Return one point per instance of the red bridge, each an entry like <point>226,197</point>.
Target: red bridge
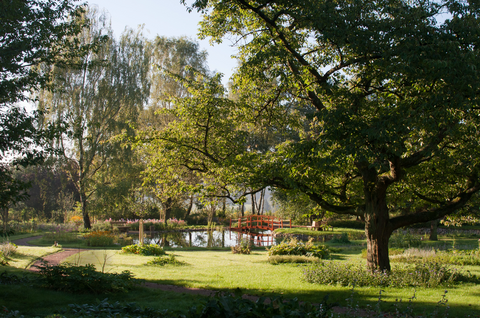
<point>261,222</point>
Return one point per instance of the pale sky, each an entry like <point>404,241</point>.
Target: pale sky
<point>167,18</point>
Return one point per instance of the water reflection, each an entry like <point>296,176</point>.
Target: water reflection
<point>208,238</point>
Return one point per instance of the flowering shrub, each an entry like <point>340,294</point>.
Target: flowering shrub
<point>299,248</point>
<point>157,224</point>
<point>99,238</point>
<point>146,249</point>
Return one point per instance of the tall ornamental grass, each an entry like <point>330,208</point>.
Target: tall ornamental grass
<point>423,274</point>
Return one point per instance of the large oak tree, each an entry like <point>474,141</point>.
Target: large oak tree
<point>376,103</point>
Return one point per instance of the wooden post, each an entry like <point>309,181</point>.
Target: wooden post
<point>281,223</point>
<point>230,224</point>
<point>290,223</point>
<point>240,223</point>
<point>140,232</point>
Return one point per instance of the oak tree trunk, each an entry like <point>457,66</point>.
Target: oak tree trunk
<point>377,224</point>
<point>433,230</point>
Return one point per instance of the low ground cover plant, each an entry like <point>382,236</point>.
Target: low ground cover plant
<point>422,274</point>
<point>169,259</point>
<point>299,248</point>
<point>84,279</point>
<point>145,249</point>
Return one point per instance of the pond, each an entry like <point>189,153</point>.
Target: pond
<point>225,238</point>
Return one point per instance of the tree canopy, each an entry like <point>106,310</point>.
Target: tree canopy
<point>374,105</point>
<point>31,33</point>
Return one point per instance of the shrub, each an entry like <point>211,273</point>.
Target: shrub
<point>166,260</point>
<point>404,239</point>
<point>229,306</point>
<point>99,238</point>
<point>7,249</point>
<point>295,247</point>
<point>84,279</point>
<point>245,247</point>
<point>102,227</point>
<point>146,249</point>
<point>426,274</point>
<point>343,238</point>
<point>350,224</point>
<point>105,309</point>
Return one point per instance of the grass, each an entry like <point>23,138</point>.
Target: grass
<point>26,255</point>
<point>223,271</point>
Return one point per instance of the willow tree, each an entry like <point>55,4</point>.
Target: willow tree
<point>377,101</point>
<point>96,101</point>
<point>182,57</point>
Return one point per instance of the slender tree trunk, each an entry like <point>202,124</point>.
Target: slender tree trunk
<point>433,230</point>
<point>190,207</point>
<point>243,210</point>
<point>5,220</point>
<point>168,209</point>
<point>86,217</point>
<point>252,197</point>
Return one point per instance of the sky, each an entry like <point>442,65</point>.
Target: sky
<point>167,18</point>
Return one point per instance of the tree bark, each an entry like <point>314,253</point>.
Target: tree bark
<point>378,227</point>
<point>168,209</point>
<point>190,206</point>
<point>86,217</point>
<point>433,230</point>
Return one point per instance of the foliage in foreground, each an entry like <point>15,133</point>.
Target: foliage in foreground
<point>84,279</point>
<point>230,306</point>
<point>299,248</point>
<point>424,274</point>
<point>145,249</point>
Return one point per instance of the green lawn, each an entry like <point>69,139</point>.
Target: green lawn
<point>223,271</point>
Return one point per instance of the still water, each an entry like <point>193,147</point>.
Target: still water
<point>208,238</point>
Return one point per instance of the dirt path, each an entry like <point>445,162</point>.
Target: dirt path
<point>61,255</point>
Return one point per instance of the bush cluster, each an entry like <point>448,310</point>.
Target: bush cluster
<point>84,279</point>
<point>99,238</point>
<point>244,247</point>
<point>145,249</point>
<point>299,248</point>
<point>425,274</point>
<point>404,239</point>
<point>8,249</point>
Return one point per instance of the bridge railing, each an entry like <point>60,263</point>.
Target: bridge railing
<point>263,222</point>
